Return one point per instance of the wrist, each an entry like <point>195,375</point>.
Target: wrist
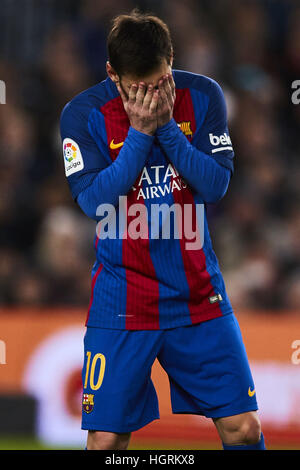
<point>140,134</point>
<point>149,132</point>
<point>171,124</point>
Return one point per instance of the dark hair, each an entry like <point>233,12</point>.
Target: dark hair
<point>137,44</point>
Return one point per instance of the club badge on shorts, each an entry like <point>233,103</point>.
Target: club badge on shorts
<point>88,402</point>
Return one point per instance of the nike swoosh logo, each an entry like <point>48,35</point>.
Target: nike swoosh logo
<point>114,146</point>
<point>251,392</point>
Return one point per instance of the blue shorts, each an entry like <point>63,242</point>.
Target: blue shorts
<point>206,364</point>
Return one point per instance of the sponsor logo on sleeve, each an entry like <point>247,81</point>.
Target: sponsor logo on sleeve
<point>72,157</point>
<point>220,143</point>
<point>215,298</point>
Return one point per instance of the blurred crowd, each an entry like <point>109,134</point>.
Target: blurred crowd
<point>50,50</point>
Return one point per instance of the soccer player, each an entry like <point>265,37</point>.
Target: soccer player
<point>147,138</point>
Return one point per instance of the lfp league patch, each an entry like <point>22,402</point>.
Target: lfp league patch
<point>72,157</point>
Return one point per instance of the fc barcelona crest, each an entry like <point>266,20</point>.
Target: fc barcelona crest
<point>88,402</point>
<point>185,127</point>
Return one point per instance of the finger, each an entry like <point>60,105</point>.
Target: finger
<point>168,90</point>
<point>122,94</point>
<point>140,93</point>
<point>132,93</point>
<point>148,96</point>
<point>160,102</point>
<point>172,84</point>
<point>160,106</point>
<point>162,90</point>
<point>154,101</point>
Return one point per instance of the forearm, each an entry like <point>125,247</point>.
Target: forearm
<point>206,176</point>
<point>117,179</point>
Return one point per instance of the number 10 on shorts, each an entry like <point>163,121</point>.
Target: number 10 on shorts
<point>91,365</point>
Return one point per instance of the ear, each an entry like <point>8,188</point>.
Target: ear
<point>112,73</point>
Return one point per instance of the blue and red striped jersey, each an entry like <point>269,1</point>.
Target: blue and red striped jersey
<point>147,280</point>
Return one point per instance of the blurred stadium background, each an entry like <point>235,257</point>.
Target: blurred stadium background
<point>51,50</point>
